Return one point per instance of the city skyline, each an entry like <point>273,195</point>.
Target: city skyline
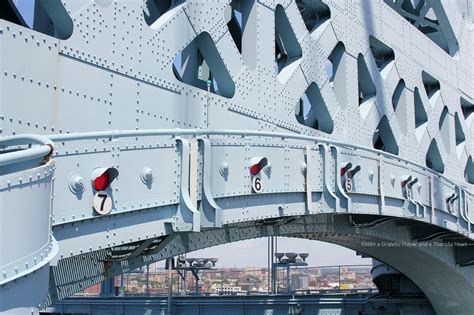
<point>253,253</point>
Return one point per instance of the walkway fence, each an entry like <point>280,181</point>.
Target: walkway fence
<point>242,281</point>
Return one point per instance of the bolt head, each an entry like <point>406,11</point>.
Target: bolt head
<point>76,183</point>
<point>224,169</point>
<point>146,175</point>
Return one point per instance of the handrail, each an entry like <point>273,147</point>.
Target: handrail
<point>243,134</point>
<point>42,151</point>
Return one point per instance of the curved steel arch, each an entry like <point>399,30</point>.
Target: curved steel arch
<point>430,265</point>
<point>131,89</point>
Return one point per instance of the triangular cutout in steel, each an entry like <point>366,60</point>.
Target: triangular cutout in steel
<point>383,54</point>
<point>154,9</point>
<point>45,16</point>
<point>432,87</point>
<point>366,85</point>
<point>199,64</point>
<point>433,158</point>
<point>469,171</point>
<point>467,110</point>
<point>459,133</point>
<point>314,13</point>
<point>312,111</point>
<point>383,138</point>
<point>287,48</point>
<point>444,125</point>
<point>421,118</point>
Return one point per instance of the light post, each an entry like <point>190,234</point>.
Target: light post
<point>195,265</point>
<point>288,260</point>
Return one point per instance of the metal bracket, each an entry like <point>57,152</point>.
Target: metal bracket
<point>339,187</point>
<point>327,191</point>
<point>206,181</point>
<point>186,202</point>
<point>309,181</point>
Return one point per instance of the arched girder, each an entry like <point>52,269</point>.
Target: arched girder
<point>429,265</point>
<point>127,86</point>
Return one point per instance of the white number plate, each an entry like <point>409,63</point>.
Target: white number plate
<point>257,184</point>
<point>102,202</point>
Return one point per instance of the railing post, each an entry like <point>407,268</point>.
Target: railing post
<point>339,278</point>
<point>170,289</point>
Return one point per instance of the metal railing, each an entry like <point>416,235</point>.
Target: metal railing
<point>111,134</point>
<point>22,148</point>
<point>244,281</point>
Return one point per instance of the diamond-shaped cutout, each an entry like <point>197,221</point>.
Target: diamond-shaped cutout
<point>469,171</point>
<point>287,47</point>
<point>366,84</point>
<point>314,13</point>
<point>383,138</point>
<point>312,111</point>
<point>200,65</point>
<point>432,87</point>
<point>383,54</point>
<point>433,158</point>
<point>444,127</point>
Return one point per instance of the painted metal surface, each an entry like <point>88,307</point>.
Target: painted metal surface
<point>180,97</point>
<point>335,304</point>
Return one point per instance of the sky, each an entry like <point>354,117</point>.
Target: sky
<point>26,9</point>
<point>254,252</point>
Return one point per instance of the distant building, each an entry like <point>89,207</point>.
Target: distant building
<point>299,281</point>
<point>227,289</point>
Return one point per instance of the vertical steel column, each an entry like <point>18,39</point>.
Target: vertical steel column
<point>272,258</point>
<point>339,278</point>
<point>170,289</point>
<point>185,282</point>
<point>222,281</point>
<point>269,254</point>
<point>122,293</point>
<point>288,278</point>
<point>147,280</point>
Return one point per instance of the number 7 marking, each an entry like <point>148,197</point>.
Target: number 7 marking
<point>104,197</point>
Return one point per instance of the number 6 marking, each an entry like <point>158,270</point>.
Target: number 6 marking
<point>256,184</point>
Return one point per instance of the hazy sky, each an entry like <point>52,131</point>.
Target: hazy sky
<point>254,253</point>
<point>26,9</point>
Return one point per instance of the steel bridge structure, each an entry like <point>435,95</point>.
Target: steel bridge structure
<point>134,131</point>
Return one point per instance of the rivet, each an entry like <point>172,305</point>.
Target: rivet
<point>303,168</point>
<point>224,169</point>
<point>76,183</point>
